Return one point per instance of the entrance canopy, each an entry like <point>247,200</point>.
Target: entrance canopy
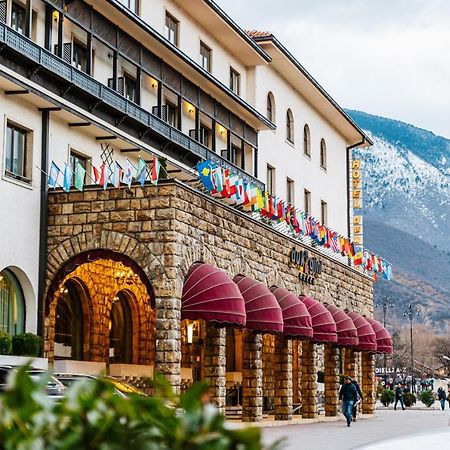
<point>347,335</point>
<point>263,311</point>
<point>324,327</point>
<point>366,336</point>
<point>210,294</point>
<point>384,341</point>
<point>296,319</point>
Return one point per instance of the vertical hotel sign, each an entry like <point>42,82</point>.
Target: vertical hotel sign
<point>357,201</point>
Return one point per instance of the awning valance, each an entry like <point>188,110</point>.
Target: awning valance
<point>347,335</point>
<point>384,340</point>
<point>210,294</point>
<point>366,336</point>
<point>261,306</point>
<point>324,327</point>
<point>296,319</point>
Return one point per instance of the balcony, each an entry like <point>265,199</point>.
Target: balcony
<point>40,61</point>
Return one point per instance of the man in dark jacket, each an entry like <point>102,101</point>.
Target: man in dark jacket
<point>399,396</point>
<point>348,395</point>
<point>442,396</point>
<point>360,397</point>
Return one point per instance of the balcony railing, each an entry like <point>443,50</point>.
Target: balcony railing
<point>81,80</point>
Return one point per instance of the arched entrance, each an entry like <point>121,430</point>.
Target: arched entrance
<point>121,330</point>
<point>12,304</point>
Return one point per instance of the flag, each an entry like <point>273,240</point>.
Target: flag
<point>128,174</point>
<point>68,175</point>
<point>106,172</point>
<point>358,256</point>
<point>156,168</point>
<point>226,189</point>
<point>308,225</point>
<point>204,172</point>
<point>141,172</point>
<point>334,242</point>
<point>54,175</point>
<point>80,173</point>
<point>217,179</point>
<point>97,174</point>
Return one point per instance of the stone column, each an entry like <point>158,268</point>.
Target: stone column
<point>215,364</point>
<point>283,378</point>
<point>368,383</point>
<point>168,340</point>
<point>252,397</point>
<point>331,374</point>
<point>350,366</point>
<point>309,381</point>
<point>296,372</point>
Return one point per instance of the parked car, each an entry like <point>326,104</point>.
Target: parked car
<point>53,388</point>
<point>121,388</point>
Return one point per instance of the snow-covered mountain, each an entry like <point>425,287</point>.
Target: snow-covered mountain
<point>407,211</point>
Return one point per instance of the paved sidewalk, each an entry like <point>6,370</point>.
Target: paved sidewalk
<point>336,436</point>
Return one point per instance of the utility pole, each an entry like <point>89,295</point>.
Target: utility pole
<point>411,311</point>
<point>385,303</point>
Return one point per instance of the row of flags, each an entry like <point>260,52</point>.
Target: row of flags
<point>114,174</point>
<point>239,192</point>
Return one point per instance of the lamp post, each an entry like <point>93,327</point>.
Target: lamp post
<point>411,311</point>
<point>384,303</point>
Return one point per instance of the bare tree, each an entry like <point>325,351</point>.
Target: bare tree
<point>441,351</point>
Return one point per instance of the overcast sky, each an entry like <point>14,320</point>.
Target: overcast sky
<point>384,57</point>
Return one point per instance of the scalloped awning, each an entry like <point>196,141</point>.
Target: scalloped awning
<point>210,294</point>
<point>263,311</point>
<point>324,327</point>
<point>347,334</point>
<point>366,335</point>
<point>384,340</point>
<point>296,319</point>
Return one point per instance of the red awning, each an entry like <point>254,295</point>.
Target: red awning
<point>324,327</point>
<point>347,335</point>
<point>366,335</point>
<point>263,311</point>
<point>296,319</point>
<point>210,294</point>
<point>384,341</point>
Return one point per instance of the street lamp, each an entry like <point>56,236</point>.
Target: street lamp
<point>384,303</point>
<point>411,311</point>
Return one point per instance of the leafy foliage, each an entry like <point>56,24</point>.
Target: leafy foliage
<point>26,344</point>
<point>409,399</point>
<point>387,397</point>
<point>92,417</point>
<point>427,398</point>
<point>5,343</point>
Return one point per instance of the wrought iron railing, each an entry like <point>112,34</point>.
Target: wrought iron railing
<point>64,70</point>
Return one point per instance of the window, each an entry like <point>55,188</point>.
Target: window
<point>205,56</point>
<point>17,163</point>
<point>18,18</point>
<point>79,56</point>
<point>235,81</point>
<point>171,29</point>
<point>132,5</point>
<point>323,154</point>
<point>290,191</point>
<point>129,87</point>
<point>121,331</point>
<point>307,205</point>
<point>324,212</point>
<point>270,107</point>
<point>306,140</point>
<point>290,126</point>
<point>270,184</point>
<point>12,304</point>
<point>204,135</point>
<point>172,114</point>
<point>75,158</point>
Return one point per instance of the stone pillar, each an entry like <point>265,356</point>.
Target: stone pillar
<point>252,397</point>
<point>283,378</point>
<point>350,367</point>
<point>215,364</point>
<point>296,372</point>
<point>309,381</point>
<point>331,375</point>
<point>368,383</point>
<point>168,340</point>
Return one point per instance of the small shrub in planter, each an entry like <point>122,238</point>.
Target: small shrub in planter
<point>409,399</point>
<point>5,343</point>
<point>26,344</point>
<point>387,397</point>
<point>427,398</point>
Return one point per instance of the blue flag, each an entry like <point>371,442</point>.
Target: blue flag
<point>68,175</point>
<point>53,176</point>
<point>204,172</point>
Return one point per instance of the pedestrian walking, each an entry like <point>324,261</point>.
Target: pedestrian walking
<point>399,397</point>
<point>360,399</point>
<point>348,396</point>
<point>448,398</point>
<point>442,396</point>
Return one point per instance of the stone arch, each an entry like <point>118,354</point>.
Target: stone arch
<point>192,254</point>
<point>239,266</point>
<point>274,278</point>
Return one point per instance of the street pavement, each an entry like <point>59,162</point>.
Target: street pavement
<point>336,436</point>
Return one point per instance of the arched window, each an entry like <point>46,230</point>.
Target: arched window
<point>12,304</point>
<point>69,324</point>
<point>290,126</point>
<point>306,140</point>
<point>271,107</point>
<point>323,154</point>
<point>121,332</point>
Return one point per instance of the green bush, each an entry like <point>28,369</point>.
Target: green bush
<point>427,398</point>
<point>387,397</point>
<point>91,416</point>
<point>26,344</point>
<point>320,376</point>
<point>5,343</point>
<point>409,399</point>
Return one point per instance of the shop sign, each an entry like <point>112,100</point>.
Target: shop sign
<point>308,267</point>
<point>356,176</point>
<point>390,370</point>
